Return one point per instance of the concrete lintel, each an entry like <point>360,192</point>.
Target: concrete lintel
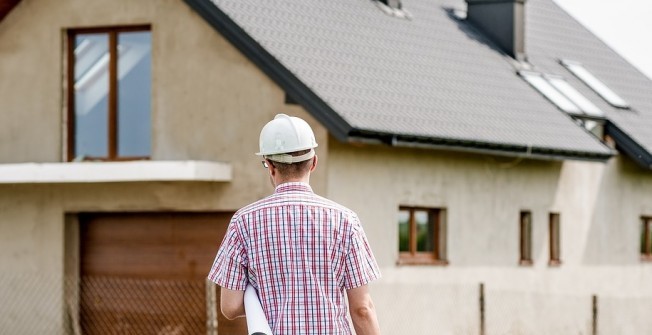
<point>115,172</point>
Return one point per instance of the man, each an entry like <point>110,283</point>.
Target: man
<point>302,252</point>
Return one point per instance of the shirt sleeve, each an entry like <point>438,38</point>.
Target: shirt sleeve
<point>360,265</point>
<point>229,269</point>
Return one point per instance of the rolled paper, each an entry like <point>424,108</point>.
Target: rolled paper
<point>256,320</point>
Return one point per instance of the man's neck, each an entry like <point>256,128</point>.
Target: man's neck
<point>279,181</point>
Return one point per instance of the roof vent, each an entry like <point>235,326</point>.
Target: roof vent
<point>503,21</point>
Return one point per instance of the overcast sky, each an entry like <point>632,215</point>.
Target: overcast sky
<point>625,25</point>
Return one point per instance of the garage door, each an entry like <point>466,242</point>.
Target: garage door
<point>144,273</point>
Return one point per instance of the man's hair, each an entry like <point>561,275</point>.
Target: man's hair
<point>294,170</point>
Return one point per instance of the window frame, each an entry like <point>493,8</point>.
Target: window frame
<point>112,97</point>
<point>595,84</point>
<point>525,233</point>
<point>439,255</point>
<point>646,240</point>
<point>568,99</point>
<point>554,237</point>
<point>543,86</point>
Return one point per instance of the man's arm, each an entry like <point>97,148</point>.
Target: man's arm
<point>363,312</point>
<point>232,303</point>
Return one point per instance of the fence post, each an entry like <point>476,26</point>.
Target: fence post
<point>594,313</point>
<point>482,307</point>
<point>211,308</point>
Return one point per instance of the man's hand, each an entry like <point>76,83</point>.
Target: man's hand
<point>363,312</point>
<point>232,303</point>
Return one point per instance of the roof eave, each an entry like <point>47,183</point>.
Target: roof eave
<point>629,146</point>
<point>500,149</point>
<point>257,54</point>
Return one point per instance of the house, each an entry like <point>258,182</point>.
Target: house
<point>497,152</point>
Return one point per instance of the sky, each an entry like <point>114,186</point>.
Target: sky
<point>625,25</point>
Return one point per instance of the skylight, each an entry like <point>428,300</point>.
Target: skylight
<point>568,99</point>
<point>594,83</point>
<point>576,97</point>
<point>550,92</point>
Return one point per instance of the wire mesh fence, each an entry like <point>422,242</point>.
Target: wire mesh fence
<point>141,306</point>
<point>623,316</point>
<point>514,313</point>
<point>427,309</point>
<point>31,304</point>
<point>105,305</point>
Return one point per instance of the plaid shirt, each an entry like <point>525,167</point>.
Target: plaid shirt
<point>300,251</point>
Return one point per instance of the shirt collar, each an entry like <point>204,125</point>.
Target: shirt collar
<point>293,186</point>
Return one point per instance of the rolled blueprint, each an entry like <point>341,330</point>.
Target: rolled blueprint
<point>256,321</point>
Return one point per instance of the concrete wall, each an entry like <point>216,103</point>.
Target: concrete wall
<point>208,103</point>
<point>483,196</point>
<point>600,207</point>
<point>35,260</point>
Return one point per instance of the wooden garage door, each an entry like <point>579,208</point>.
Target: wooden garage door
<point>144,273</point>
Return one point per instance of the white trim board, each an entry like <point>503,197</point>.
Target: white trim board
<point>114,172</point>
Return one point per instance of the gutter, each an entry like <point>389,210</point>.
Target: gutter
<point>629,146</point>
<point>500,149</point>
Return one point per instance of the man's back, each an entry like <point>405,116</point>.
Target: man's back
<point>301,251</point>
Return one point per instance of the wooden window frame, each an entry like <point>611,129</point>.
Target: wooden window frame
<point>439,255</point>
<point>646,241</point>
<point>554,232</point>
<point>112,32</point>
<point>525,229</point>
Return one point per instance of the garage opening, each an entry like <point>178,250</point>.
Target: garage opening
<point>145,273</point>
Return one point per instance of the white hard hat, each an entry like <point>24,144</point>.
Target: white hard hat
<point>286,134</point>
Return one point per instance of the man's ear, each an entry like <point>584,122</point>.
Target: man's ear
<point>271,167</point>
<point>314,164</point>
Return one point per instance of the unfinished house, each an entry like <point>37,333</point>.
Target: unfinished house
<point>498,154</point>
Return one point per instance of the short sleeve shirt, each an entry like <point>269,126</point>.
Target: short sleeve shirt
<point>301,252</point>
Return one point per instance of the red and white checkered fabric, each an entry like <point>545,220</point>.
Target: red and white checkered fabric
<point>301,252</point>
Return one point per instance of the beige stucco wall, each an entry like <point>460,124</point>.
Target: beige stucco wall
<point>600,206</point>
<point>208,103</point>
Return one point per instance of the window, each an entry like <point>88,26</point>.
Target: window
<point>555,254</point>
<point>550,92</point>
<point>568,99</point>
<point>576,97</point>
<point>646,239</point>
<point>594,83</point>
<point>109,85</point>
<point>526,237</point>
<point>422,235</point>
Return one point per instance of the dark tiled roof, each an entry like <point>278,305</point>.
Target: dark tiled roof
<point>431,79</point>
